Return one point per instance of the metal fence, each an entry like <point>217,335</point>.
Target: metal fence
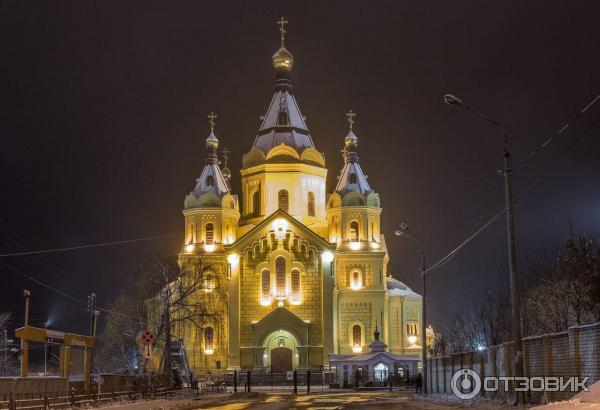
<point>73,399</point>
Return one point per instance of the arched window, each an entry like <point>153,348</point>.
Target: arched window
<point>256,203</point>
<point>352,178</point>
<point>311,204</point>
<point>411,329</point>
<point>210,181</point>
<point>356,335</point>
<point>354,231</point>
<point>265,283</point>
<point>209,337</point>
<point>356,280</point>
<point>191,233</point>
<point>208,282</point>
<point>209,234</point>
<point>280,276</point>
<point>296,284</point>
<point>283,200</point>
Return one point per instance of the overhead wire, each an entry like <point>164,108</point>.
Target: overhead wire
<point>442,261</point>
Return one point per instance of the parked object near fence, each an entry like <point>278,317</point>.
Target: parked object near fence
<point>574,353</point>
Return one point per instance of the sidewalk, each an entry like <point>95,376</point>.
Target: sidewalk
<point>166,404</point>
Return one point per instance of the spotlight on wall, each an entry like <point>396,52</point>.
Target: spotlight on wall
<point>412,339</point>
<point>355,246</point>
<point>190,248</point>
<point>209,248</point>
<point>357,349</point>
<point>233,258</point>
<point>327,257</point>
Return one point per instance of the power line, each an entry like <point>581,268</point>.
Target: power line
<point>96,245</point>
<point>494,218</point>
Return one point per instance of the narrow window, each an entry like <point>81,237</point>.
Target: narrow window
<point>256,203</point>
<point>191,233</point>
<point>210,180</point>
<point>356,280</point>
<point>283,200</point>
<point>282,118</point>
<point>354,231</point>
<point>209,337</point>
<point>296,284</point>
<point>209,233</point>
<point>352,178</point>
<point>356,335</point>
<point>209,282</point>
<point>280,276</point>
<point>311,204</point>
<point>265,283</point>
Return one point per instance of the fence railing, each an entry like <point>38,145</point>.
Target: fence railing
<point>72,399</point>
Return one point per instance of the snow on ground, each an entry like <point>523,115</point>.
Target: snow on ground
<point>582,400</point>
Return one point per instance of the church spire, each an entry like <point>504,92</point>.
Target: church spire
<point>283,61</point>
<point>352,178</point>
<point>211,179</point>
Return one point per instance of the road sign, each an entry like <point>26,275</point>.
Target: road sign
<point>147,337</point>
<point>147,351</point>
<point>290,375</point>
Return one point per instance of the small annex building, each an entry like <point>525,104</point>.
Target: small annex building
<point>374,368</point>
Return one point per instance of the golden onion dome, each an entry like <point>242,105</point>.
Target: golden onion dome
<point>283,59</point>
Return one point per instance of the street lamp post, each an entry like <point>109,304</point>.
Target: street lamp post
<point>405,231</point>
<point>45,351</point>
<point>510,228</point>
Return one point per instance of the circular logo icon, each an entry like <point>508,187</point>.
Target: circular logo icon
<point>465,384</point>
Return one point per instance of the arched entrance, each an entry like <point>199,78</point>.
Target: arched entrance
<point>281,351</point>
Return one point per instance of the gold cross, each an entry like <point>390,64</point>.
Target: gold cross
<point>225,152</point>
<point>282,22</point>
<point>211,120</point>
<point>350,116</point>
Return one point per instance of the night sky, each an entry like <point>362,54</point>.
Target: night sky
<point>103,110</point>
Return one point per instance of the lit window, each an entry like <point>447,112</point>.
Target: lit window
<point>296,285</point>
<point>356,280</point>
<point>311,204</point>
<point>356,335</point>
<point>265,283</point>
<point>280,277</point>
<point>209,233</point>
<point>209,337</point>
<point>283,200</point>
<point>208,282</point>
<point>354,231</point>
<point>210,180</point>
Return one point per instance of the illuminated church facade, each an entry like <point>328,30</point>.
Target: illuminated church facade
<point>304,272</point>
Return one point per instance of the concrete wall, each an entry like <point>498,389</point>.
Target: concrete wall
<point>575,352</point>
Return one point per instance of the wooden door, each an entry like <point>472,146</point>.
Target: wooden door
<point>281,359</point>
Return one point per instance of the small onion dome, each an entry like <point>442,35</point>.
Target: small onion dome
<point>351,139</point>
<point>226,173</point>
<point>212,141</point>
<point>283,59</point>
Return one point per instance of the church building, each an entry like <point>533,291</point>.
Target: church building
<point>304,272</point>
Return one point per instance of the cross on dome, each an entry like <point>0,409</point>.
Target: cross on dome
<point>211,120</point>
<point>350,114</point>
<point>225,153</point>
<point>282,22</point>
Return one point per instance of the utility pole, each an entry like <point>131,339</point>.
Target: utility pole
<point>24,342</point>
<point>91,307</point>
<point>512,248</point>
<point>405,231</point>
